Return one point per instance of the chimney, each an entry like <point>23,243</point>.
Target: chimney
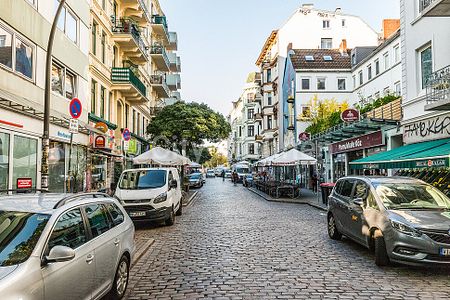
<point>338,11</point>
<point>343,47</point>
<point>390,26</point>
<point>308,6</point>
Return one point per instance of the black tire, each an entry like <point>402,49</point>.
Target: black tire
<point>180,209</point>
<point>171,219</point>
<point>333,232</point>
<point>381,256</point>
<point>120,283</point>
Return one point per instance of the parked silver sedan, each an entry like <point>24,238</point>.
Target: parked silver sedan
<point>64,247</point>
<point>402,219</point>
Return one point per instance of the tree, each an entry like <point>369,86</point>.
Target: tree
<point>199,155</point>
<point>325,114</point>
<point>217,158</point>
<point>187,125</point>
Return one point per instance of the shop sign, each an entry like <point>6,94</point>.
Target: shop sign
<point>370,140</point>
<point>427,130</point>
<point>350,115</point>
<point>63,135</point>
<point>24,183</point>
<point>304,136</point>
<point>102,127</point>
<point>431,163</point>
<point>73,126</point>
<point>371,166</point>
<point>100,142</point>
<point>132,146</point>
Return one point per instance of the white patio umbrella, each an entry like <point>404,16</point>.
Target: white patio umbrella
<point>293,157</point>
<point>161,156</point>
<point>268,160</point>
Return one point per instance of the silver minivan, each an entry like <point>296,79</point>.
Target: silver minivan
<point>64,247</point>
<point>402,219</point>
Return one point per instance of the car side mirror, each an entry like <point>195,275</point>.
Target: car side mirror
<point>173,184</point>
<point>358,201</point>
<point>60,254</point>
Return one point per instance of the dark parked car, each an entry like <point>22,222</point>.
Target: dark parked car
<point>402,219</point>
<point>247,180</point>
<point>196,180</point>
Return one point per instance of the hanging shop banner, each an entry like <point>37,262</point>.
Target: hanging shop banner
<point>102,127</point>
<point>132,146</point>
<point>370,140</point>
<point>100,142</point>
<point>350,115</point>
<point>427,130</point>
<point>304,136</point>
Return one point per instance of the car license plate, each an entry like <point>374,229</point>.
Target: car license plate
<point>137,214</point>
<point>444,252</point>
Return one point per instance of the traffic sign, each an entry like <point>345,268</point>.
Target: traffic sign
<point>73,126</point>
<point>75,108</point>
<point>126,134</point>
<point>126,145</point>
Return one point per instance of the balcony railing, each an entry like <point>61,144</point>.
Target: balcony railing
<point>158,49</point>
<point>128,26</point>
<point>438,85</point>
<point>390,111</point>
<point>159,20</point>
<point>159,82</point>
<point>423,4</point>
<point>126,75</point>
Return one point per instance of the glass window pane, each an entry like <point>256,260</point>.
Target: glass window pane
<point>71,27</point>
<point>116,214</point>
<point>56,167</point>
<point>4,160</point>
<point>5,48</point>
<point>62,16</point>
<point>98,220</point>
<point>70,84</point>
<point>69,231</point>
<point>24,59</point>
<point>426,63</point>
<point>24,159</point>
<point>57,79</point>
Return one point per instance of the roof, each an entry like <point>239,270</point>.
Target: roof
<point>338,61</point>
<point>384,179</point>
<point>269,42</point>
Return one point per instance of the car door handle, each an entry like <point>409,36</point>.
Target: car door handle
<point>90,258</point>
<point>116,242</point>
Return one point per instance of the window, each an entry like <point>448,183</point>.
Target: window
<point>371,202</point>
<point>94,38</point>
<point>354,81</point>
<point>127,114</point>
<point>63,81</point>
<point>104,4</point>
<point>6,47</point>
<point>57,79</point>
<point>138,125</point>
<point>341,84</point>
<point>269,75</point>
<point>369,72</point>
<point>377,67</point>
<point>67,22</point>
<point>93,96</point>
<point>306,112</point>
<point>250,114</point>
<point>269,122</point>
<point>326,24</point>
<point>24,163</point>
<point>361,190</point>
<point>305,83</point>
<point>327,58</point>
<point>361,79</point>
<point>251,148</point>
<point>134,122</point>
<point>320,83</point>
<point>396,53</point>
<point>24,59</point>
<point>240,131</point>
<point>4,160</point>
<point>347,187</point>
<point>62,17</point>
<point>386,61</point>
<point>102,101</point>
<point>309,58</point>
<point>251,130</point>
<point>398,90</point>
<point>326,43</point>
<point>377,95</point>
<point>426,65</point>
<point>103,45</point>
<point>343,23</point>
<point>269,99</point>
<point>98,220</point>
<point>386,91</point>
<point>69,231</point>
<point>70,85</point>
<point>114,62</point>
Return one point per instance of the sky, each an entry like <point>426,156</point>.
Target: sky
<point>219,40</point>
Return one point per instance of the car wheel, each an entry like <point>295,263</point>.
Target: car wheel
<point>333,232</point>
<point>171,220</point>
<point>180,209</point>
<point>381,256</point>
<point>120,280</point>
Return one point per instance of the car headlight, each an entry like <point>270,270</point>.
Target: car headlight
<point>160,198</point>
<point>405,229</point>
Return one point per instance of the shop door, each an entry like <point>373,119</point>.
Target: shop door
<point>4,160</point>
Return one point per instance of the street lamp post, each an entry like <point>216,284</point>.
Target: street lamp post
<point>48,70</point>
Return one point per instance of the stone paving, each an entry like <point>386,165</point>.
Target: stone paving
<point>232,244</point>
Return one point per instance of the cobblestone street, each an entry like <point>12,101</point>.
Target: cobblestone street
<point>232,244</point>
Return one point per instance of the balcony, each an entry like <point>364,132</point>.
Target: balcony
<point>434,8</point>
<point>159,27</point>
<point>173,41</point>
<point>258,117</point>
<point>174,62</point>
<point>176,95</point>
<point>438,90</point>
<point>129,84</point>
<point>259,138</point>
<point>136,9</point>
<point>127,35</point>
<point>159,85</point>
<point>173,81</point>
<point>389,112</point>
<point>160,58</point>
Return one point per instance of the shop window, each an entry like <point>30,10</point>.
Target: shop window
<point>4,160</point>
<point>24,159</point>
<point>56,167</point>
<point>98,173</point>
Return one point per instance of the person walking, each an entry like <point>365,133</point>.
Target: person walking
<point>234,177</point>
<point>223,175</point>
<point>314,183</point>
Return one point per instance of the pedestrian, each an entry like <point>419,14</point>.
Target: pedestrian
<point>234,177</point>
<point>223,175</point>
<point>314,183</point>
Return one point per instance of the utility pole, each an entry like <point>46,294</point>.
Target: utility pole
<point>48,72</point>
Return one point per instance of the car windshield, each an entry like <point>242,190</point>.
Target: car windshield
<point>411,196</point>
<point>143,179</point>
<point>242,170</point>
<point>19,234</point>
<point>194,176</point>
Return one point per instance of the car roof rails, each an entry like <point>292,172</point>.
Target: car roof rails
<point>74,197</point>
<point>24,191</point>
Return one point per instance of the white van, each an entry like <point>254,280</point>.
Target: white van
<point>152,194</point>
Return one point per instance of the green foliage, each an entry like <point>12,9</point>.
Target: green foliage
<point>190,123</point>
<point>377,103</point>
<point>199,155</point>
<point>217,158</point>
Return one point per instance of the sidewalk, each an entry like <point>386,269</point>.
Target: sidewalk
<point>189,197</point>
<point>306,197</point>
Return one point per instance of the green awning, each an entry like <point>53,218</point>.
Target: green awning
<point>420,155</point>
<point>97,119</point>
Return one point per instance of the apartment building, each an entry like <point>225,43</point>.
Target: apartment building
<point>24,30</point>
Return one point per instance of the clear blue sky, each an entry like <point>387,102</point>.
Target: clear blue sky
<point>219,40</point>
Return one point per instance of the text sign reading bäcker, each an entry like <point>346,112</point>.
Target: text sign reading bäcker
<point>370,140</point>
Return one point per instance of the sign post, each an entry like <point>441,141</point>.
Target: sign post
<point>75,110</point>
